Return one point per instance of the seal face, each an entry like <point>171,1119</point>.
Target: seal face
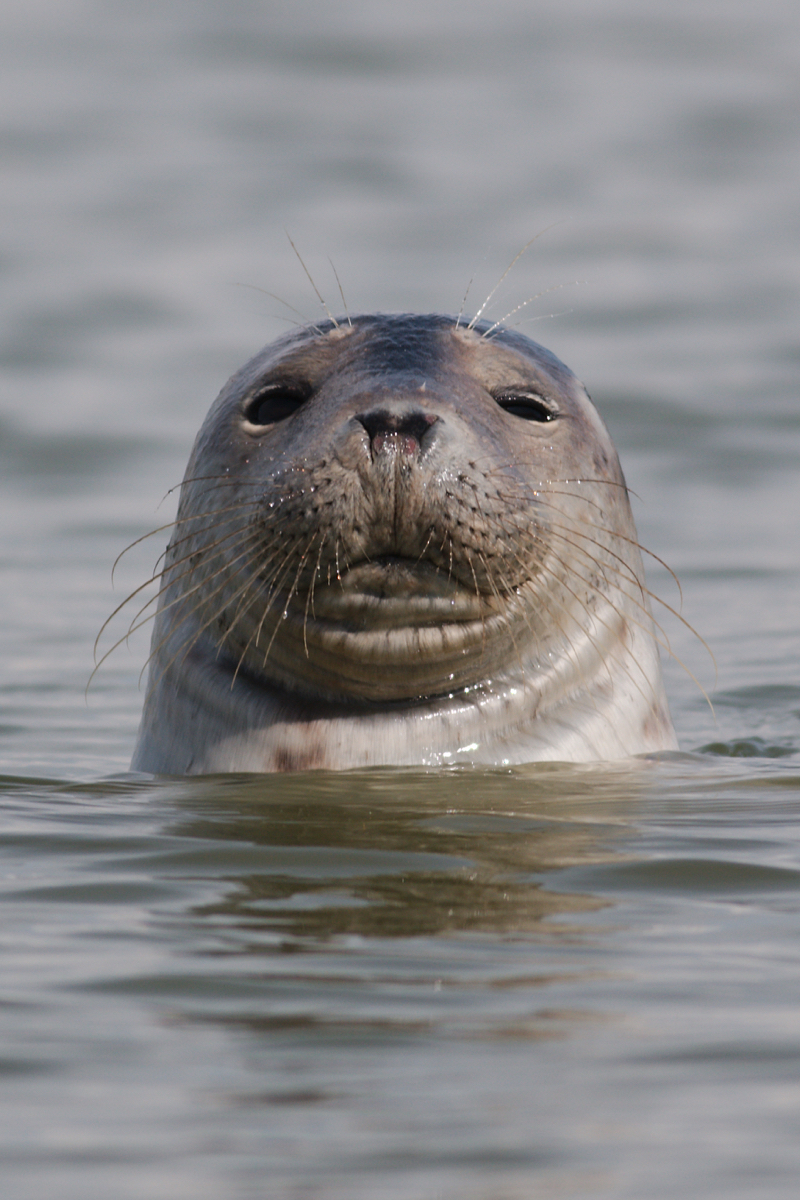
<point>401,540</point>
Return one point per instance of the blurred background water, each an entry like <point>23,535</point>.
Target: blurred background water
<point>554,981</point>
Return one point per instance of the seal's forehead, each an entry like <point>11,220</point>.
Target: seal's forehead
<point>388,341</point>
<point>412,343</point>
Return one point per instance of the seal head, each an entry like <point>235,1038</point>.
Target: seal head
<point>401,540</point>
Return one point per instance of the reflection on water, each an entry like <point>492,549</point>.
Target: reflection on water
<point>353,902</point>
<point>397,854</point>
<point>451,983</point>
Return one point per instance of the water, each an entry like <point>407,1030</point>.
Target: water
<point>490,985</point>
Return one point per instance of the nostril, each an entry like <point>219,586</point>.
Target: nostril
<point>404,431</point>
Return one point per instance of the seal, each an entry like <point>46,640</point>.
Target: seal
<point>401,540</point>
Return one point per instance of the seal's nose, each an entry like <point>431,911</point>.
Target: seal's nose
<point>400,433</point>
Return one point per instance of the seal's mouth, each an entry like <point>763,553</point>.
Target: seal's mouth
<point>390,631</point>
<point>388,592</point>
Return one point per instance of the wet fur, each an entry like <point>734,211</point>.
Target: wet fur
<point>530,528</point>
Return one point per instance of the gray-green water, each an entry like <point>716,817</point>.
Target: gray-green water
<point>488,985</point>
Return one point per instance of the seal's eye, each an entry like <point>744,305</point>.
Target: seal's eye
<point>276,402</point>
<point>528,405</point>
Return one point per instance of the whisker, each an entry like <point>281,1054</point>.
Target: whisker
<point>498,596</point>
<point>557,287</point>
<point>341,292</point>
<point>331,317</point>
<point>514,260</point>
<point>463,304</point>
<point>187,645</point>
<point>310,595</point>
<point>531,320</point>
<point>302,323</point>
<point>255,637</point>
<point>181,599</point>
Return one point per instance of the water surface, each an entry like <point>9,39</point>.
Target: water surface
<point>555,981</point>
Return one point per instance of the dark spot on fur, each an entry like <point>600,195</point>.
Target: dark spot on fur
<point>601,462</point>
<point>288,759</point>
<point>656,723</point>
